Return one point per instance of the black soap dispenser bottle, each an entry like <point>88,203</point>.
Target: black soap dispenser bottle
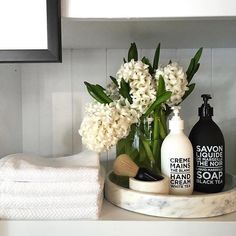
<point>209,151</point>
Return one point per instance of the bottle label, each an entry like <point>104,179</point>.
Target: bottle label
<point>180,173</point>
<point>209,164</point>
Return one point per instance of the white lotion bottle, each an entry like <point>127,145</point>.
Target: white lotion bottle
<point>177,157</point>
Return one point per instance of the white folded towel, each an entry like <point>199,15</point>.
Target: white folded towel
<point>50,189</point>
<point>46,197</point>
<point>49,202</point>
<point>29,168</point>
<point>61,208</point>
<point>51,214</point>
<point>33,187</point>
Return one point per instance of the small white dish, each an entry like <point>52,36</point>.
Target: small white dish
<point>161,186</point>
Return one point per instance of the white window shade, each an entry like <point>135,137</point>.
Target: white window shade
<point>23,24</point>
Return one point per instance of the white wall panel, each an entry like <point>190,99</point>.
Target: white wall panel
<point>224,87</point>
<point>47,108</point>
<point>115,60</point>
<point>87,65</point>
<point>61,100</point>
<point>30,108</point>
<point>10,109</point>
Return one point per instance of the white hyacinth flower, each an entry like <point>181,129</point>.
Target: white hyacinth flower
<point>175,81</point>
<point>142,86</point>
<point>105,124</point>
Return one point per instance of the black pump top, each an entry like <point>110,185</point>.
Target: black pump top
<point>205,110</point>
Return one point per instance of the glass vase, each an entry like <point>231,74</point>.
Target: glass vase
<point>144,141</point>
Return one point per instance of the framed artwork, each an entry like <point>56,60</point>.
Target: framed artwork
<point>30,31</point>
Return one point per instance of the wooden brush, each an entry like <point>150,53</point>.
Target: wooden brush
<point>125,166</point>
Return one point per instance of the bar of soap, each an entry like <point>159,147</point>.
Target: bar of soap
<point>160,187</point>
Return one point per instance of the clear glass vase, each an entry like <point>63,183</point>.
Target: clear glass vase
<point>143,143</point>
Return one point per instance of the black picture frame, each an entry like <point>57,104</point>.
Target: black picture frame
<point>54,51</point>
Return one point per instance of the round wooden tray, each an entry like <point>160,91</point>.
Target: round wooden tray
<point>197,205</point>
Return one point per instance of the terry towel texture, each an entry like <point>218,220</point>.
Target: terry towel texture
<point>45,189</point>
<point>29,168</point>
<point>33,187</point>
<point>51,214</point>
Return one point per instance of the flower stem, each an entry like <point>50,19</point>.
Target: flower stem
<point>155,133</point>
<point>158,155</point>
<point>147,148</point>
<point>163,120</point>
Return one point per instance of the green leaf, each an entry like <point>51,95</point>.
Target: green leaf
<point>100,87</point>
<point>114,80</point>
<point>162,130</point>
<point>164,97</point>
<point>198,55</point>
<point>120,147</point>
<point>97,92</point>
<point>124,90</point>
<point>102,95</point>
<point>94,95</point>
<point>133,52</point>
<point>187,93</point>
<point>156,57</point>
<point>156,126</point>
<point>196,68</point>
<point>142,153</point>
<point>156,134</point>
<point>161,86</point>
<point>124,60</point>
<point>155,147</point>
<point>129,149</point>
<point>163,118</point>
<point>194,65</point>
<point>190,67</point>
<point>147,62</point>
<point>189,78</point>
<point>170,62</point>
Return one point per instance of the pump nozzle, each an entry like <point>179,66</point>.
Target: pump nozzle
<point>205,110</point>
<point>176,110</point>
<point>206,97</point>
<point>176,123</point>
